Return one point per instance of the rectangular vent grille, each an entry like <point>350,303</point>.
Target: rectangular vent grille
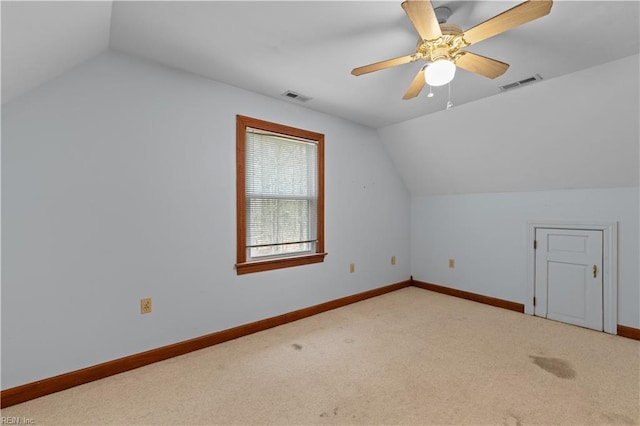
<point>520,83</point>
<point>296,96</point>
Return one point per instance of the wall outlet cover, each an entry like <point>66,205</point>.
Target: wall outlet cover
<point>145,305</point>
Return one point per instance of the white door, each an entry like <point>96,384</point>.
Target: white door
<point>568,276</point>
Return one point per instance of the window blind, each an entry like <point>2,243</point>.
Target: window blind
<point>281,194</point>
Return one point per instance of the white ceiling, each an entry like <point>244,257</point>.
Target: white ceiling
<point>308,47</point>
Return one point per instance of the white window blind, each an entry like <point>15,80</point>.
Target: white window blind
<point>281,195</point>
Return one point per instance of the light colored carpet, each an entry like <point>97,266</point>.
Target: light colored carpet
<point>407,357</point>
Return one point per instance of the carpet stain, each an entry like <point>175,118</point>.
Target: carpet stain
<point>512,420</point>
<point>556,366</point>
<point>325,414</point>
<point>297,347</point>
<point>618,419</point>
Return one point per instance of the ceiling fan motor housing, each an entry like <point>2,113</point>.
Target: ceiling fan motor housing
<point>447,46</point>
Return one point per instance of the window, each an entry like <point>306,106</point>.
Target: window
<point>280,196</point>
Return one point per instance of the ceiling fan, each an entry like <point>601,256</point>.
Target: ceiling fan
<point>441,44</point>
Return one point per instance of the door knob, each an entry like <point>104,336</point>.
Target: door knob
<point>595,271</point>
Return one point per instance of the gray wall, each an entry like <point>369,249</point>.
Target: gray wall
<point>119,183</point>
<point>487,235</point>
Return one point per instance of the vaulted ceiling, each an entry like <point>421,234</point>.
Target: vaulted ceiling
<point>307,47</point>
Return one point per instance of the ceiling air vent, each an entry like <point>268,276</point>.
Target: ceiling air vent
<point>296,96</point>
<point>520,83</point>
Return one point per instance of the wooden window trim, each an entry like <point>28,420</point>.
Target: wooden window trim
<point>242,265</point>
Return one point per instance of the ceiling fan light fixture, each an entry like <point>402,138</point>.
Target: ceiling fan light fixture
<point>440,72</point>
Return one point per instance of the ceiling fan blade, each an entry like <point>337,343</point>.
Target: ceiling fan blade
<point>384,64</point>
<point>423,18</point>
<point>416,85</point>
<point>481,65</point>
<point>516,16</point>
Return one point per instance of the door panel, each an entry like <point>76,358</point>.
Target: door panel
<point>567,243</point>
<point>567,290</point>
<point>565,286</point>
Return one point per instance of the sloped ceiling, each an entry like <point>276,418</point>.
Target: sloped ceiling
<point>41,40</point>
<point>308,47</point>
<point>578,131</point>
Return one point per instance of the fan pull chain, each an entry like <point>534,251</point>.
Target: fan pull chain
<point>449,103</point>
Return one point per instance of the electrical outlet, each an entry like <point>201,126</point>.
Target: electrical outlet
<point>352,267</point>
<point>393,260</point>
<point>145,305</point>
<point>452,263</point>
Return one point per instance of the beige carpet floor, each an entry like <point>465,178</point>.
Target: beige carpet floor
<point>407,357</point>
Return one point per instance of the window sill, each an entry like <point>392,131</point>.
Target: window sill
<point>286,262</point>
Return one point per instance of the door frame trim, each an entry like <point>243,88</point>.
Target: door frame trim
<point>609,263</point>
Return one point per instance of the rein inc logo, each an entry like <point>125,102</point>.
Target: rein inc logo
<point>16,421</point>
